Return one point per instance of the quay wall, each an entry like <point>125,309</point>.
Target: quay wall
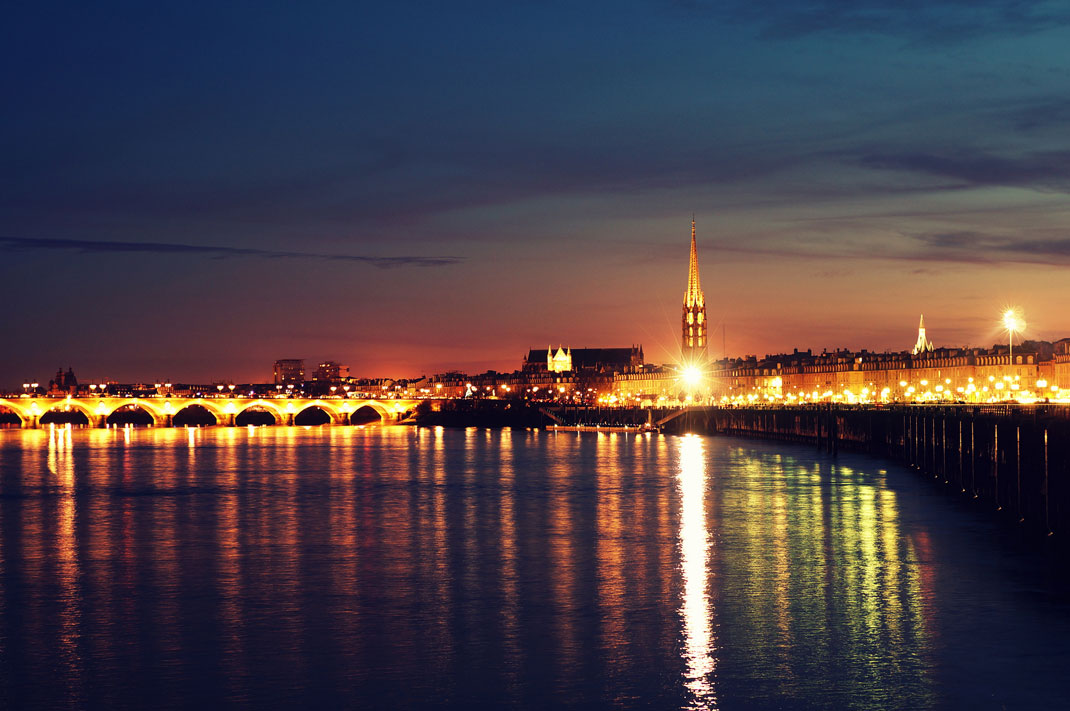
<point>1014,460</point>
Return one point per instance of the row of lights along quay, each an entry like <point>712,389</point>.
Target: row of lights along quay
<point>617,378</point>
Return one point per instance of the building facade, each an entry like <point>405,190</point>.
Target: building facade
<point>290,371</point>
<point>330,371</point>
<point>1036,372</point>
<point>582,360</point>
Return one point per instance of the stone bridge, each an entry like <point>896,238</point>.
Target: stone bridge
<point>162,409</point>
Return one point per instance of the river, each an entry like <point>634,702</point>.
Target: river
<point>395,567</point>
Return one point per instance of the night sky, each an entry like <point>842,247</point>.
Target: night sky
<point>191,191</point>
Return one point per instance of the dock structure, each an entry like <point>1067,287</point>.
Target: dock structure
<point>1013,458</point>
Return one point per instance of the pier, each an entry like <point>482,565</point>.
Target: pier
<point>1012,458</point>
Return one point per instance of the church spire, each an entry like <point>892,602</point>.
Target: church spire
<point>693,344</point>
<point>694,288</point>
<point>923,345</point>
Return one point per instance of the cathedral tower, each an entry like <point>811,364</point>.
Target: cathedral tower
<point>693,343</point>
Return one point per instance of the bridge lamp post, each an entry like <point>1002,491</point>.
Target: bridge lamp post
<point>219,388</point>
<point>231,386</point>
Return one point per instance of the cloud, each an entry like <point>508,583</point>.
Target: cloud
<point>33,244</point>
<point>954,240</point>
<point>1049,170</point>
<point>928,21</point>
<point>954,247</point>
<point>1052,112</point>
<point>1042,248</point>
<point>985,247</point>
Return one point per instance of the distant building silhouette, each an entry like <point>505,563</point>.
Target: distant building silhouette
<point>63,383</point>
<point>330,371</point>
<point>290,371</point>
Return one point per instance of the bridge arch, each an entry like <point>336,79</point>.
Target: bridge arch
<point>261,406</point>
<point>385,412</point>
<point>16,409</point>
<point>189,409</point>
<point>179,405</point>
<point>139,403</point>
<point>306,408</point>
<point>65,405</point>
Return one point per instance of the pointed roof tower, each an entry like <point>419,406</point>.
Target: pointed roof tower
<point>923,345</point>
<point>693,296</point>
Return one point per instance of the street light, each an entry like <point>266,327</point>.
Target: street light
<point>1012,321</point>
<point>692,375</point>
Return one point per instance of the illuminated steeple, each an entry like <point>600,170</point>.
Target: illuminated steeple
<point>693,343</point>
<point>693,295</point>
<point>923,345</point>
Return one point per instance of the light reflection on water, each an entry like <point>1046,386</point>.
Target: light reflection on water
<point>695,608</point>
<point>393,567</point>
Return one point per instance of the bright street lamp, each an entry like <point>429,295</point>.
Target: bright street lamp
<point>1012,321</point>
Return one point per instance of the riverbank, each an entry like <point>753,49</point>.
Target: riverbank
<point>481,413</point>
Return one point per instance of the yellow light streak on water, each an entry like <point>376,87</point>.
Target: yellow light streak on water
<point>695,611</point>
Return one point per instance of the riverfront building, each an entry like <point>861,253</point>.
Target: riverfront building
<point>1039,371</point>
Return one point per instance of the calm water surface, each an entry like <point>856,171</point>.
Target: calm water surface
<point>399,568</point>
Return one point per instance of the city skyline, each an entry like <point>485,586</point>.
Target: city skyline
<point>693,353</point>
<point>183,198</point>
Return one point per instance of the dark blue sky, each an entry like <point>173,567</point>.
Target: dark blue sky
<point>190,191</point>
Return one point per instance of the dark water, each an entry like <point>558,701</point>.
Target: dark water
<point>394,568</point>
